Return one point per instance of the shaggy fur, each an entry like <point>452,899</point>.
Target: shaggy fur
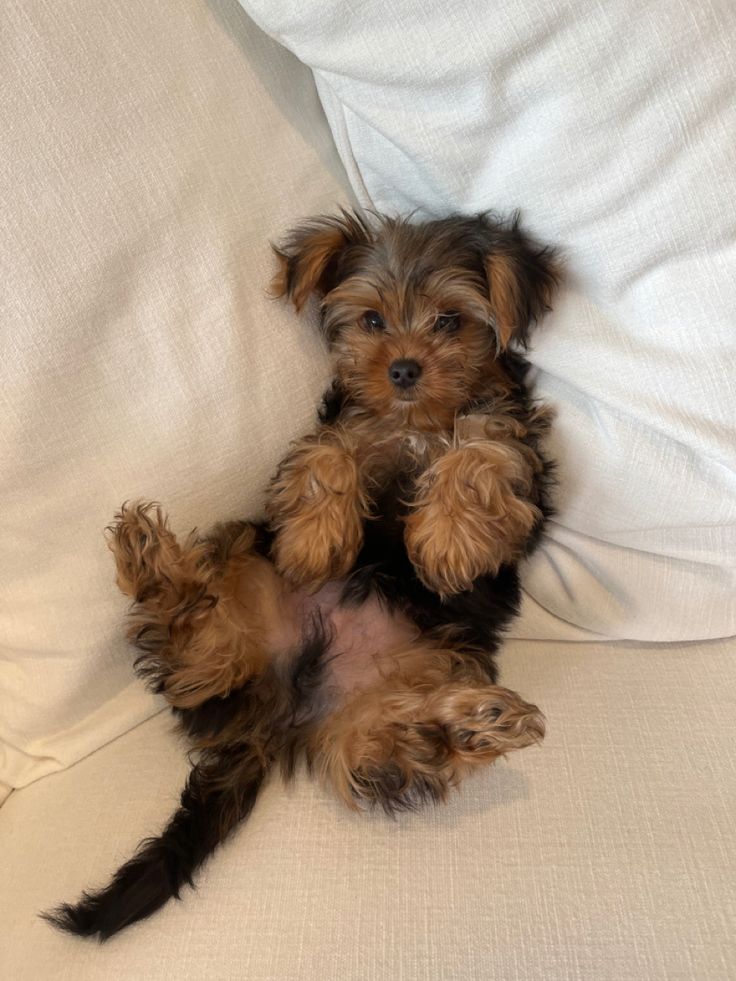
<point>357,628</point>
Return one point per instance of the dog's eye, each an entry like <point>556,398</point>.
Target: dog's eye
<point>447,322</point>
<point>373,320</point>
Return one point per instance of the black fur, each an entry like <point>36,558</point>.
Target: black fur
<point>333,402</point>
<point>270,715</point>
<point>386,788</point>
<point>220,793</point>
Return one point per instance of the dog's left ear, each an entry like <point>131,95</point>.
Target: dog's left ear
<point>521,277</point>
<point>310,257</point>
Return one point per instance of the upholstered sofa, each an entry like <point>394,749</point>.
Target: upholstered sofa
<point>149,153</point>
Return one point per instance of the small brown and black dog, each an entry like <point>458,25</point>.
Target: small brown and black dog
<point>356,628</point>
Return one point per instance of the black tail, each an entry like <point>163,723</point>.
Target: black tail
<point>220,792</point>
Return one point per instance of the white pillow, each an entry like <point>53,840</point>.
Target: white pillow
<point>612,127</point>
<point>152,149</point>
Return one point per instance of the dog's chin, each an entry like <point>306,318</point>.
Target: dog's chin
<point>405,407</point>
<point>410,408</point>
<point>416,411</point>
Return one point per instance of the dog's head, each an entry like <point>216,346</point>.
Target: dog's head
<point>414,313</point>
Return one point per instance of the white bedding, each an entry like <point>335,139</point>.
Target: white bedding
<point>612,128</point>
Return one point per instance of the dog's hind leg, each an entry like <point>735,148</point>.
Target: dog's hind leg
<point>413,734</point>
<point>201,611</point>
<point>203,620</point>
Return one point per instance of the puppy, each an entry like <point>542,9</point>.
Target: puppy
<point>356,628</point>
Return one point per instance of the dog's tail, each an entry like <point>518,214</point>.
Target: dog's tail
<point>220,793</point>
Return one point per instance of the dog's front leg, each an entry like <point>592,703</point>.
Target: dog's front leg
<point>475,506</point>
<point>317,506</point>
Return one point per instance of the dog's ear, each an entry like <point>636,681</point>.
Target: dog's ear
<point>521,277</point>
<point>310,256</point>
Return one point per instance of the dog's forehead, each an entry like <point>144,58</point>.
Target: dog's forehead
<point>409,254</point>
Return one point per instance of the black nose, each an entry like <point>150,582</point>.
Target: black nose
<point>405,373</point>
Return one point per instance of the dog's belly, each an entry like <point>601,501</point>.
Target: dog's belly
<point>363,639</point>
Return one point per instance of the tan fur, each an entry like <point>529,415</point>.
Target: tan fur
<point>451,366</point>
<point>214,640</point>
<point>311,266</point>
<point>304,268</point>
<point>470,515</point>
<point>317,505</point>
<point>504,284</point>
<point>507,293</point>
<point>430,720</point>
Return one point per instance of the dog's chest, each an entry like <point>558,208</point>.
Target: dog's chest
<point>416,446</point>
<point>392,469</point>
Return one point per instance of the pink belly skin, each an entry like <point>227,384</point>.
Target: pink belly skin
<point>362,637</point>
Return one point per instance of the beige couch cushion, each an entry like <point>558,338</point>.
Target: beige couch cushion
<point>606,854</point>
<point>149,152</point>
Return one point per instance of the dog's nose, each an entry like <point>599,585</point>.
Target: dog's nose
<point>405,372</point>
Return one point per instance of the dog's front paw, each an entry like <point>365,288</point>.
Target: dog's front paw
<point>446,555</point>
<point>310,549</point>
<point>317,508</point>
<point>468,519</point>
